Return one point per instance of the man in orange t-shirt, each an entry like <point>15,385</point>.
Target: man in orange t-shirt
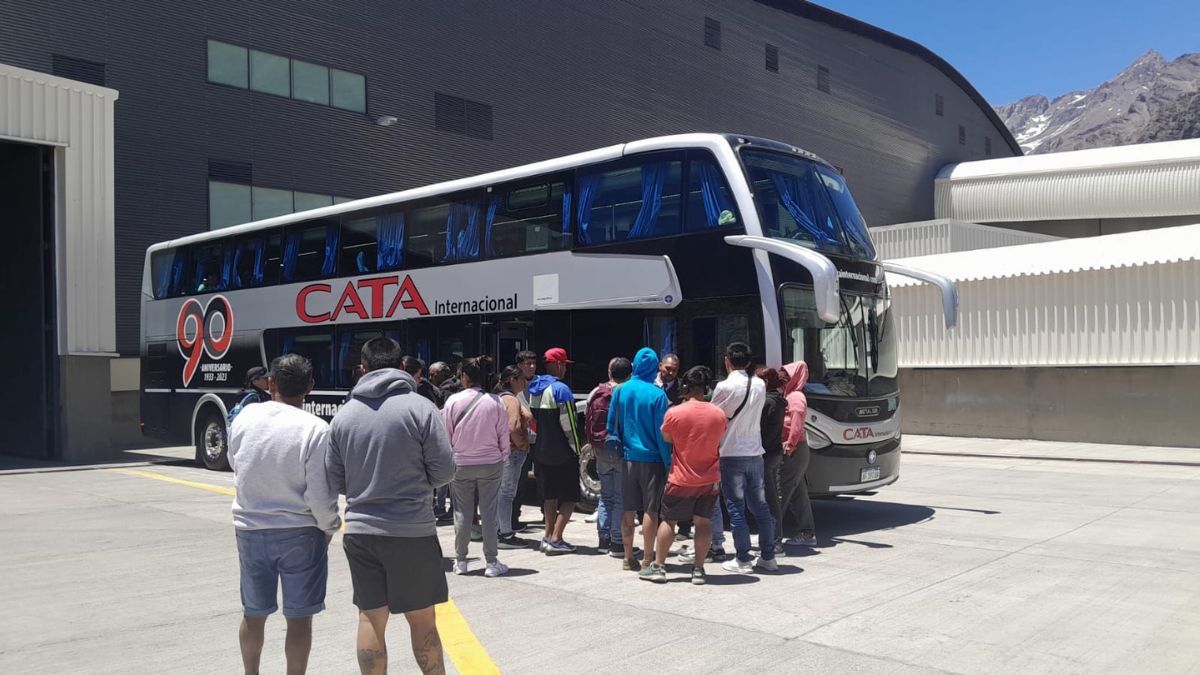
<point>694,428</point>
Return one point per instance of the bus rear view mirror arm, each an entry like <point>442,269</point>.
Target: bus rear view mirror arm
<point>822,269</point>
<point>946,286</point>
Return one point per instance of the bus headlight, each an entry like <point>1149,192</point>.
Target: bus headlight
<point>817,440</point>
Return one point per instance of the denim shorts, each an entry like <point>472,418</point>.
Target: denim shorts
<point>297,556</point>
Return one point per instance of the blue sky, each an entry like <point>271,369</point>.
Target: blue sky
<point>1020,47</point>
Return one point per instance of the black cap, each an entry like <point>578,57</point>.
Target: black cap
<point>255,373</point>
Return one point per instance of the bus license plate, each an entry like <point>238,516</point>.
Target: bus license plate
<point>870,473</point>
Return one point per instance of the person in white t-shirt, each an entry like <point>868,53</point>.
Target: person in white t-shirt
<point>741,396</point>
<point>284,512</point>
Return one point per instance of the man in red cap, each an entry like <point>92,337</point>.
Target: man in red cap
<point>556,449</point>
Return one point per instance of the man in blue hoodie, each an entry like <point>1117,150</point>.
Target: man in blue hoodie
<point>635,416</point>
<point>556,449</point>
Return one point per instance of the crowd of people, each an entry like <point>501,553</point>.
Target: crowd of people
<point>410,451</point>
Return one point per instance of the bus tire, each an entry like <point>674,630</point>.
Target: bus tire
<point>589,481</point>
<point>212,440</point>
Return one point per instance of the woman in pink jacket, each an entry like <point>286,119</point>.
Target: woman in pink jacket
<point>793,487</point>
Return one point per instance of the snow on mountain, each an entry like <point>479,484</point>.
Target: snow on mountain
<point>1123,110</point>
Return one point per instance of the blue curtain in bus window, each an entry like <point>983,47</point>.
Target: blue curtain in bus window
<point>662,328</point>
<point>652,190</point>
<point>792,194</point>
<point>566,214</point>
<point>260,255</point>
<point>227,268</point>
<point>423,351</point>
<point>462,232</point>
<point>389,233</point>
<point>177,268</point>
<point>711,192</point>
<point>343,351</point>
<point>291,255</point>
<point>333,237</point>
<point>163,265</point>
<point>289,343</point>
<point>235,280</point>
<point>588,186</point>
<point>493,205</point>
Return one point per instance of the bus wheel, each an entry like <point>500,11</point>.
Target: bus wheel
<point>589,481</point>
<point>212,445</point>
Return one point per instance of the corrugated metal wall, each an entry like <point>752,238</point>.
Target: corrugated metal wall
<point>910,240</point>
<point>78,118</point>
<point>561,77</point>
<point>1157,189</point>
<point>1145,315</point>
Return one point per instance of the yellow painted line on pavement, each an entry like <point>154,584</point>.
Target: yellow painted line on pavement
<point>459,641</point>
<point>219,489</point>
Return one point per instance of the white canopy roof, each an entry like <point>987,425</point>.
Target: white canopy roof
<point>1130,249</point>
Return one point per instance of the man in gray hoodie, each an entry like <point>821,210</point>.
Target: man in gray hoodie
<point>388,450</point>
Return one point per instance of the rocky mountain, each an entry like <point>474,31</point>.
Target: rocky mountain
<point>1151,100</point>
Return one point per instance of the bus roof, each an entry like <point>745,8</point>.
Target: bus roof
<point>567,162</point>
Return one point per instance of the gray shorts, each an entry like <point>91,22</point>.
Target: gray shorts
<point>642,485</point>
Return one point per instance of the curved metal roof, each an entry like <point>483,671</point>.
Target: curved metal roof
<point>808,10</point>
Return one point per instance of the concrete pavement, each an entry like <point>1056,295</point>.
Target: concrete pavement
<point>967,564</point>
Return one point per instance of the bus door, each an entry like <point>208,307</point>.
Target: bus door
<point>503,338</point>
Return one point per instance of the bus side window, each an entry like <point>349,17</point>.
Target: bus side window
<point>358,247</point>
<point>210,268</point>
<point>631,202</point>
<point>167,272</point>
<point>525,220</point>
<point>310,252</point>
<point>247,263</point>
<point>317,347</point>
<point>349,346</point>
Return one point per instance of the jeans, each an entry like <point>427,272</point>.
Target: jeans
<point>608,512</point>
<point>743,489</point>
<point>510,480</point>
<point>296,557</point>
<point>476,482</point>
<point>440,497</point>
<point>718,527</point>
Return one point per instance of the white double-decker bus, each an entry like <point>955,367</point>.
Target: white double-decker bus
<point>682,243</point>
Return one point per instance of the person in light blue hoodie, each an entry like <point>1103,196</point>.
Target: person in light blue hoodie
<point>635,416</point>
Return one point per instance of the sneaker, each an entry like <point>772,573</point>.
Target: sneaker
<point>654,572</point>
<point>737,566</point>
<point>495,569</point>
<point>604,544</point>
<point>631,565</point>
<point>616,550</point>
<point>716,555</point>
<point>558,547</point>
<point>544,545</point>
<point>460,567</point>
<point>802,539</point>
<point>686,554</point>
<point>680,536</point>
<point>766,565</point>
<point>445,518</point>
<point>698,578</point>
<point>592,518</point>
<point>511,542</point>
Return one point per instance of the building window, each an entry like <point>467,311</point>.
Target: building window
<point>772,56</point>
<point>987,146</point>
<point>270,74</point>
<point>278,75</point>
<point>92,72</point>
<point>234,203</point>
<point>823,79</point>
<point>310,82</point>
<point>349,90</point>
<point>461,116</point>
<point>712,33</point>
<point>962,135</point>
<point>227,64</point>
<point>939,105</point>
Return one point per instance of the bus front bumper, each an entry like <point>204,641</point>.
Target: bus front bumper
<point>846,469</point>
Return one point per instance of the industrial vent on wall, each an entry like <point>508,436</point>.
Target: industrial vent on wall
<point>230,172</point>
<point>712,33</point>
<point>823,79</point>
<point>80,70</point>
<point>461,116</point>
<point>772,54</point>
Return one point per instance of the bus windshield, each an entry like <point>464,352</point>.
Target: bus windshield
<point>855,357</point>
<point>807,203</point>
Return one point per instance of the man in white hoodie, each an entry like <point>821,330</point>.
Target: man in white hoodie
<point>284,512</point>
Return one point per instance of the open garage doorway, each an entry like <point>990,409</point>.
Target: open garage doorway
<point>28,399</point>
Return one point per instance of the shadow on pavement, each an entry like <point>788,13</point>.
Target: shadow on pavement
<point>839,519</point>
<point>14,465</point>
